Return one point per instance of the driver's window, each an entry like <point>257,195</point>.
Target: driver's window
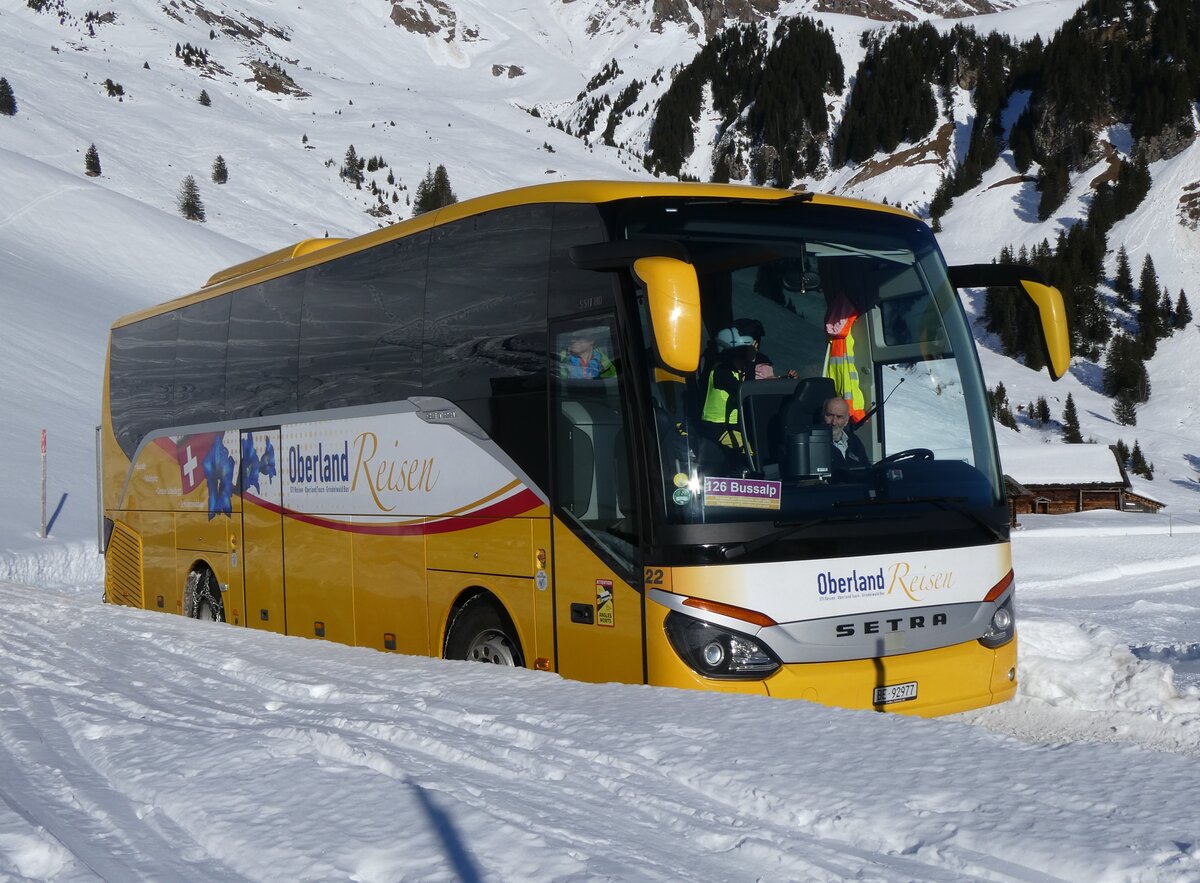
<point>926,409</point>
<point>591,445</point>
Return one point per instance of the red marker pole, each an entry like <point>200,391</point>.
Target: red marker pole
<point>43,533</point>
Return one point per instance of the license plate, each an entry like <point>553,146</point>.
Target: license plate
<point>895,693</point>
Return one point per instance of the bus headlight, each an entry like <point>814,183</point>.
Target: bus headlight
<point>1002,627</point>
<point>716,652</point>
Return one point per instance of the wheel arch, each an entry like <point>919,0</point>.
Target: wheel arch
<point>478,594</point>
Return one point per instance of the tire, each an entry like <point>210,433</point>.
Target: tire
<point>202,597</point>
<point>481,633</point>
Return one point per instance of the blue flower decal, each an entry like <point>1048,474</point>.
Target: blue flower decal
<point>250,466</point>
<point>218,471</point>
<point>266,466</point>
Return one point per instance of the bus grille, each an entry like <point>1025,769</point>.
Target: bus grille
<point>123,568</point>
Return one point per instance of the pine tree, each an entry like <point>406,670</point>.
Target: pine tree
<point>1166,315</point>
<point>204,99</point>
<point>1053,182</point>
<point>8,101</point>
<point>352,170</point>
<point>220,173</point>
<point>1183,312</point>
<point>1125,370</point>
<point>1148,281</point>
<point>1043,411</point>
<point>1149,318</point>
<point>1137,460</point>
<point>1123,283</point>
<point>1071,432</point>
<point>1125,409</point>
<point>91,162</point>
<point>1122,452</point>
<point>1001,407</point>
<point>433,192</point>
<point>189,202</point>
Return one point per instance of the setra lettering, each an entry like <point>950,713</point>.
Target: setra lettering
<point>877,626</point>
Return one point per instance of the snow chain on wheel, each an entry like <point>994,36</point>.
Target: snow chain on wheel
<point>202,597</point>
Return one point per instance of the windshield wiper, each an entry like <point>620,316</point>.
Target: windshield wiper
<point>738,550</point>
<point>733,551</point>
<point>946,504</point>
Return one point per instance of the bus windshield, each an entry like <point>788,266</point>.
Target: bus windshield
<point>837,374</point>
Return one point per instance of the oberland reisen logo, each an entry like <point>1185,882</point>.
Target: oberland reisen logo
<point>899,578</point>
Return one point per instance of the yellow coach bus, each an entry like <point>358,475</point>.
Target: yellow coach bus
<point>592,428</point>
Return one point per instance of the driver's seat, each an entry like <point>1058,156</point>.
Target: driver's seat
<point>805,439</point>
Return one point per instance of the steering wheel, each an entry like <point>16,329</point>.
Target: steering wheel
<point>906,455</point>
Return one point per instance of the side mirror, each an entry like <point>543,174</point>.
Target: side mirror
<point>673,295</point>
<point>1048,300</point>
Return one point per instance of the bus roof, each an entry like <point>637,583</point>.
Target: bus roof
<point>310,252</point>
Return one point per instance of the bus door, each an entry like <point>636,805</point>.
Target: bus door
<point>598,605</point>
<point>261,555</point>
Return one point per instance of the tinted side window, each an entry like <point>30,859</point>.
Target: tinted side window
<point>485,327</point>
<point>572,290</point>
<point>360,338</point>
<point>264,337</point>
<point>200,362</point>
<point>142,377</point>
<point>486,304</point>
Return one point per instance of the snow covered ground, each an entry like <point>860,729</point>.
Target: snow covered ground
<point>137,745</point>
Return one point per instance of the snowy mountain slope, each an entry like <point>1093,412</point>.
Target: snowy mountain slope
<point>147,746</point>
<point>458,84</point>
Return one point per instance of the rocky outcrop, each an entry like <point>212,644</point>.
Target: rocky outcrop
<point>425,17</point>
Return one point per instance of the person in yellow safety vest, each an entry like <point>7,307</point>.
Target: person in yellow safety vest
<point>734,364</point>
<point>839,319</point>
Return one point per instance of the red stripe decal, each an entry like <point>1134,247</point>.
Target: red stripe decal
<point>518,504</point>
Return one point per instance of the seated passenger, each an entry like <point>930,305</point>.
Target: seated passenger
<point>583,359</point>
<point>848,449</point>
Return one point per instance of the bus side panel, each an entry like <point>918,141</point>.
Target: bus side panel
<point>233,587</point>
<point>261,564</point>
<point>543,599</point>
<point>474,545</point>
<point>157,533</point>
<point>475,552</point>
<point>197,532</point>
<point>518,596</point>
<point>598,615</point>
<point>318,575</point>
<point>200,538</point>
<point>390,594</point>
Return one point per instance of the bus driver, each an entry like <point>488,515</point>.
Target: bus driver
<point>848,449</point>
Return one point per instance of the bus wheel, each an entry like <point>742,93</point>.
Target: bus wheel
<point>481,633</point>
<point>202,596</point>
